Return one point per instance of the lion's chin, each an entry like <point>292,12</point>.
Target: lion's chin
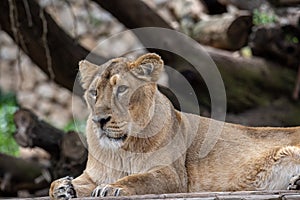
<point>113,141</point>
<point>111,137</point>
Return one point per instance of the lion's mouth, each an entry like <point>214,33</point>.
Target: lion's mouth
<point>116,135</point>
<point>115,132</point>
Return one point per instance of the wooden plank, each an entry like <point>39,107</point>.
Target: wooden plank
<point>247,195</point>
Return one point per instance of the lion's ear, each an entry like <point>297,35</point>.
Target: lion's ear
<point>147,67</point>
<point>87,72</point>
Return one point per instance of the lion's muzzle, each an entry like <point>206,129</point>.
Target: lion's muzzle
<point>101,121</point>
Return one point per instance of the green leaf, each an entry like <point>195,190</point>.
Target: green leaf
<point>8,106</point>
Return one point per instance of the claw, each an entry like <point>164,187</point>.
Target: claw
<point>63,189</point>
<point>117,192</point>
<point>106,190</point>
<point>294,183</point>
<point>103,192</point>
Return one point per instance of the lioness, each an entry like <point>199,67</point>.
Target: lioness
<point>138,143</point>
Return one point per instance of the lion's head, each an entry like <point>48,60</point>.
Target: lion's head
<point>120,96</point>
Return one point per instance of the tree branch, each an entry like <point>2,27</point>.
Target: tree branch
<point>53,50</point>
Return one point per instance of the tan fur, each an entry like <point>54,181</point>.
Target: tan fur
<point>161,151</point>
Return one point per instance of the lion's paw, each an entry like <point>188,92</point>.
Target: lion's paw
<point>294,183</point>
<point>109,190</point>
<point>62,189</point>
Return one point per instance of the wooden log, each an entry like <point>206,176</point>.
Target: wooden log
<point>19,174</point>
<point>243,5</point>
<point>252,82</point>
<point>284,2</point>
<point>68,155</point>
<point>73,156</point>
<point>68,150</point>
<point>32,131</point>
<point>227,31</point>
<point>289,16</point>
<point>283,43</point>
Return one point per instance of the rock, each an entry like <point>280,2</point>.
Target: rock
<point>45,106</point>
<point>81,27</point>
<point>59,116</point>
<point>79,12</point>
<point>62,96</point>
<point>88,41</point>
<point>68,20</point>
<point>45,90</point>
<point>8,52</point>
<point>45,3</point>
<point>7,71</point>
<point>27,99</point>
<point>188,8</point>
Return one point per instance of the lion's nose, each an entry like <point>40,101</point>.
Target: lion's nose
<point>101,120</point>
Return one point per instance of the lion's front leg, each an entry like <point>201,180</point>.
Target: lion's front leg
<point>67,187</point>
<point>159,181</point>
<point>62,189</point>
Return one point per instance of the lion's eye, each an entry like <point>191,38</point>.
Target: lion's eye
<point>93,93</point>
<point>122,89</point>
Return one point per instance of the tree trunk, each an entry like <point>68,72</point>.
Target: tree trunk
<point>225,31</point>
<point>54,51</point>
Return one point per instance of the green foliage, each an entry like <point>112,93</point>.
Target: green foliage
<point>261,18</point>
<point>75,125</point>
<point>8,106</point>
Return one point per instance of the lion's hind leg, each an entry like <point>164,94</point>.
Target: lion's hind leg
<point>279,168</point>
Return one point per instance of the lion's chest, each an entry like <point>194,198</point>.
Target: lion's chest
<point>109,166</point>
